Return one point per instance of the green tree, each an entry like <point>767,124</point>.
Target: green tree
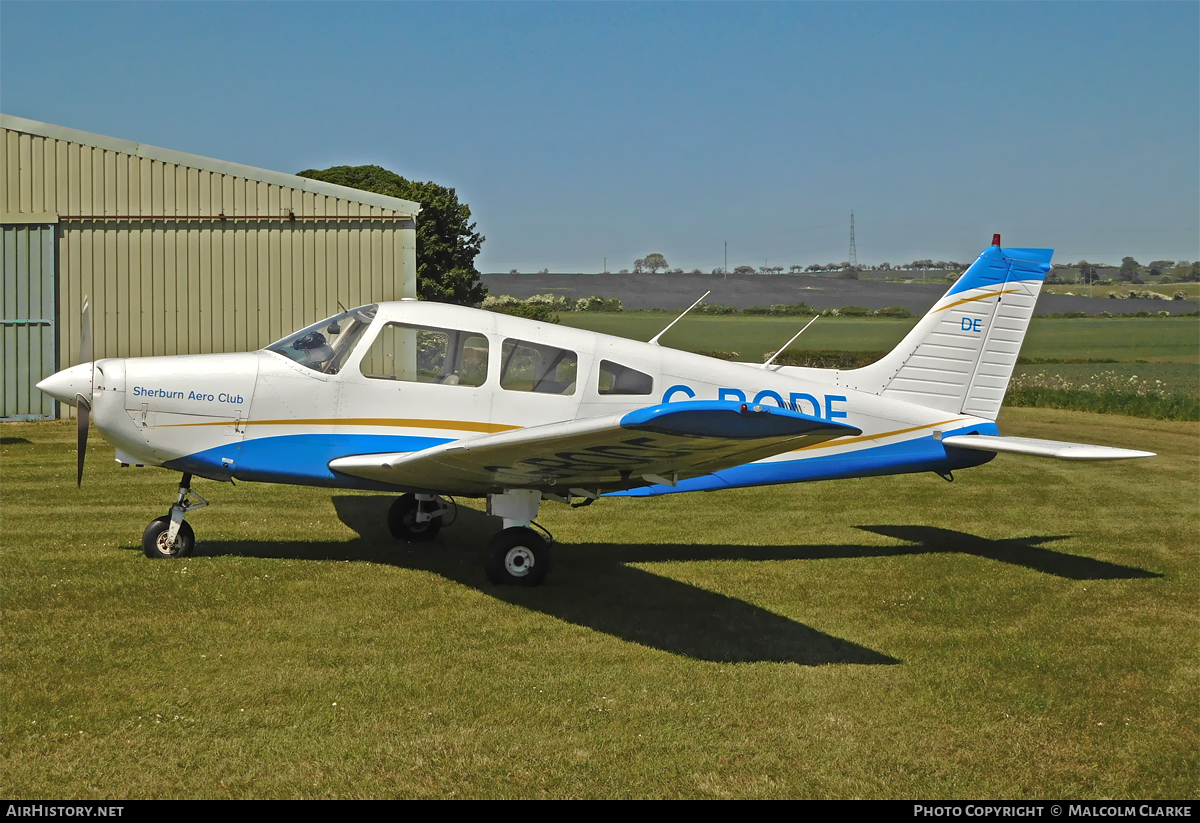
<point>653,262</point>
<point>1158,267</point>
<point>1129,268</point>
<point>1087,272</point>
<point>447,243</point>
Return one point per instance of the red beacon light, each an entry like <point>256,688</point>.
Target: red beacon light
<point>995,240</point>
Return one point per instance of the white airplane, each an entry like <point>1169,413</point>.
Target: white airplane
<point>436,401</point>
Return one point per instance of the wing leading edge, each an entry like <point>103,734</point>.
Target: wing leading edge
<point>670,441</point>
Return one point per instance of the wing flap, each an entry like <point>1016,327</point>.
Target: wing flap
<point>683,439</point>
<point>1058,449</point>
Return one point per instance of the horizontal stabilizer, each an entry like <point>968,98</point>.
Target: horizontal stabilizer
<point>618,451</point>
<point>1041,448</point>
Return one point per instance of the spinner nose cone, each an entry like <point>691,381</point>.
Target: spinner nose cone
<point>68,383</point>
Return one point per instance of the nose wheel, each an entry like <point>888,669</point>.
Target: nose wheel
<point>156,542</point>
<point>172,536</point>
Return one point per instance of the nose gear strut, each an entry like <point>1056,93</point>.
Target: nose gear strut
<point>171,536</point>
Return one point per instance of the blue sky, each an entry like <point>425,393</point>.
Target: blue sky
<point>583,131</point>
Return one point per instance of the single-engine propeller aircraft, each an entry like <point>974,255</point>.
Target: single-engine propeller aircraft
<point>433,401</point>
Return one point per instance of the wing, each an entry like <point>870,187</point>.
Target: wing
<point>1041,448</point>
<point>658,444</point>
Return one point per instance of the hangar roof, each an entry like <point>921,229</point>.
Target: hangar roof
<point>196,161</point>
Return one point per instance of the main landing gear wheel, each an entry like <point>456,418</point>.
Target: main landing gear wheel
<point>518,556</point>
<point>154,539</point>
<point>402,520</point>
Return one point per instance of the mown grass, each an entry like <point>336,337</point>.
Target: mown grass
<point>1027,631</point>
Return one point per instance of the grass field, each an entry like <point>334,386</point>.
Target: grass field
<point>1159,340</point>
<point>1028,631</point>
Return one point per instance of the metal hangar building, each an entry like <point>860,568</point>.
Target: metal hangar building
<point>176,253</point>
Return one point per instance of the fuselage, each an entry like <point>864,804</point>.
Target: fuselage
<point>418,374</point>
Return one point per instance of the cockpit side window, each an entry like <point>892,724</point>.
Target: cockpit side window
<point>325,346</point>
<point>419,354</point>
<point>537,367</point>
<point>618,379</point>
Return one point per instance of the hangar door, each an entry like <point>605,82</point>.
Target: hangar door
<point>27,332</point>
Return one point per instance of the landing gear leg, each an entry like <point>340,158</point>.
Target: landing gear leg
<point>172,536</point>
<point>518,555</point>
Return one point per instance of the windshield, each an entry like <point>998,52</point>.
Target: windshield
<point>325,346</point>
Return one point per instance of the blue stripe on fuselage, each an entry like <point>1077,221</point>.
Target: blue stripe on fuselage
<point>920,454</point>
<point>300,459</point>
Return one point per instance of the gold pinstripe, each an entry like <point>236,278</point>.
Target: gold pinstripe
<point>404,423</point>
<point>976,297</point>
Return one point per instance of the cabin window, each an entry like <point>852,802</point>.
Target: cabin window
<point>536,367</point>
<point>618,379</point>
<point>418,354</point>
<point>325,346</point>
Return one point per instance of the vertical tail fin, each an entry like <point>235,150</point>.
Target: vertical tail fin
<point>960,356</point>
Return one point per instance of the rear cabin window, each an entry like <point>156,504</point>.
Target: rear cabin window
<point>618,379</point>
<point>425,355</point>
<point>536,367</point>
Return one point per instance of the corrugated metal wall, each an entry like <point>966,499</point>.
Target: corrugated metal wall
<point>185,260</point>
<point>27,331</point>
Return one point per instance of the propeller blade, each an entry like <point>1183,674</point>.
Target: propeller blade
<point>85,352</point>
<point>82,412</point>
<point>85,333</point>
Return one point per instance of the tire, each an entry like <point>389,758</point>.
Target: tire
<point>402,521</point>
<point>517,557</point>
<point>154,539</point>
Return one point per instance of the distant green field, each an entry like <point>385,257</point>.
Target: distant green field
<point>1191,290</point>
<point>1028,631</point>
<point>1164,340</point>
<point>749,336</point>
<point>1156,340</point>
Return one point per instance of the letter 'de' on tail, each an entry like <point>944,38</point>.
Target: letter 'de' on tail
<point>960,356</point>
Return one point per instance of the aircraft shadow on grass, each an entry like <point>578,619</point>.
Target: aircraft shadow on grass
<point>594,585</point>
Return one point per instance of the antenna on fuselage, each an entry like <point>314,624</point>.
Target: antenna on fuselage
<point>790,342</point>
<point>654,339</point>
